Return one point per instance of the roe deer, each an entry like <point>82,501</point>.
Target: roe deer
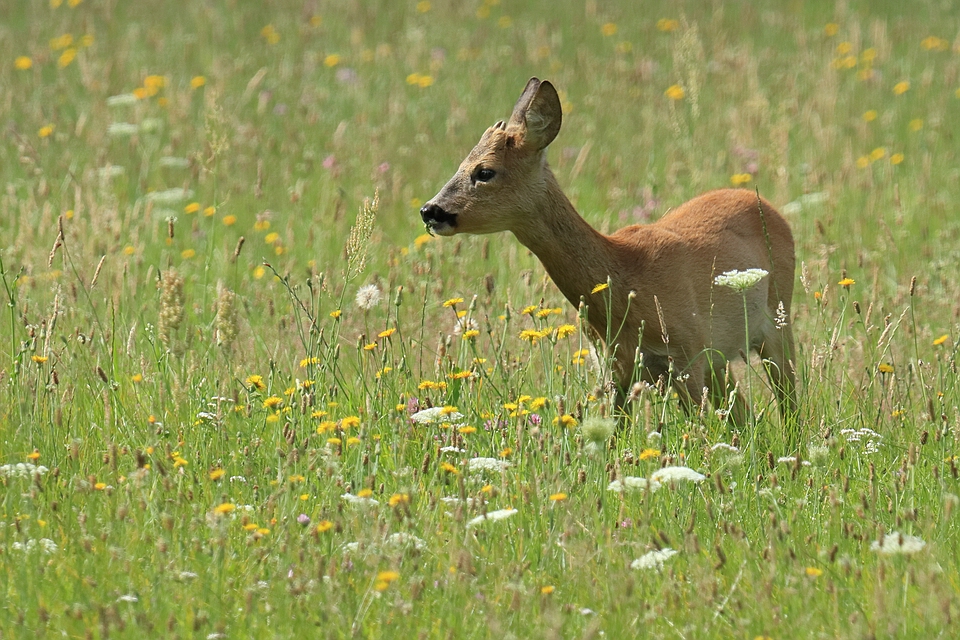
<point>661,274</point>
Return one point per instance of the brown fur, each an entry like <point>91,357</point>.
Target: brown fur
<point>671,263</point>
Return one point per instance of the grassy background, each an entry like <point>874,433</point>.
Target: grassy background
<point>275,121</point>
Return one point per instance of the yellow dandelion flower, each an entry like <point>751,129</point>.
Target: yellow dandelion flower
<point>66,57</point>
<point>603,286</point>
<point>901,88</point>
<point>878,154</point>
<point>558,497</point>
<point>39,359</point>
<point>813,572</point>
<point>386,333</point>
<point>423,6</point>
<point>470,334</point>
<point>23,63</point>
<point>844,48</point>
<point>547,589</point>
<point>565,420</point>
<point>941,340</point>
<point>846,282</point>
<point>738,179</point>
<point>353,440</point>
<point>323,526</point>
<point>648,454</point>
<point>505,453</point>
<point>870,116</point>
<point>421,240</point>
<point>459,375</point>
<point>916,124</point>
<point>272,402</point>
<point>370,347</point>
<point>467,430</point>
<point>868,55</point>
<point>449,468</point>
<point>251,526</point>
<point>335,313</point>
<point>896,158</point>
<point>398,498</point>
<point>350,422</point>
<point>325,426</point>
<point>100,486</point>
<point>45,131</point>
<point>365,493</point>
<point>229,220</point>
<point>209,211</point>
<point>271,237</point>
<point>186,254</point>
<point>34,455</point>
<point>309,361</point>
<point>667,24</point>
<point>216,474</point>
<point>256,381</point>
<point>452,302</point>
<point>224,508</point>
<point>193,207</point>
<point>197,81</point>
<point>675,92</point>
<point>831,29</point>
<point>332,60</point>
<point>863,162</point>
<point>608,29</point>
<point>884,367</point>
<point>565,330</point>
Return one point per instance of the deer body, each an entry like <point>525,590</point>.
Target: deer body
<point>661,274</point>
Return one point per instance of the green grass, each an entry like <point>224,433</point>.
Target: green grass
<point>134,412</point>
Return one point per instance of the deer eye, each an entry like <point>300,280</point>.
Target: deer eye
<point>484,174</point>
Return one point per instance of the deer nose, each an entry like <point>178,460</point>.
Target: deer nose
<point>433,214</point>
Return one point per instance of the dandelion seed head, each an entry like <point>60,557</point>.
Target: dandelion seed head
<point>368,296</point>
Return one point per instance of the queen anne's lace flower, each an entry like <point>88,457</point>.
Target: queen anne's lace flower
<point>653,559</point>
<point>499,514</point>
<point>667,475</point>
<point>894,543</point>
<point>740,280</point>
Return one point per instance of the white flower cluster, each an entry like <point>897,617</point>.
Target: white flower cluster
<point>660,477</point>
<point>436,414</point>
<point>46,545</point>
<point>487,464</point>
<point>740,280</point>
<point>653,559</point>
<point>359,501</point>
<point>897,543</point>
<point>869,437</point>
<point>22,470</point>
<point>493,516</point>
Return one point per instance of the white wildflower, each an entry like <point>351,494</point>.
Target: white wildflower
<point>894,543</point>
<point>110,171</point>
<point>723,446</point>
<point>368,296</point>
<point>792,460</point>
<point>358,501</point>
<point>183,576</point>
<point>740,280</point>
<point>122,100</point>
<point>452,450</point>
<point>653,559</point>
<point>22,470</point>
<point>499,514</point>
<point>170,196</point>
<point>405,540</point>
<point>128,598</point>
<point>632,483</point>
<point>46,545</point>
<point>122,129</point>
<point>174,162</point>
<point>436,414</point>
<point>487,464</point>
<point>654,437</point>
<point>676,474</point>
<point>452,501</point>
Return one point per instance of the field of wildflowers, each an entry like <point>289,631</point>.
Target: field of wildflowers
<point>245,395</point>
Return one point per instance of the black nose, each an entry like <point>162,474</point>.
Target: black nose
<point>431,214</point>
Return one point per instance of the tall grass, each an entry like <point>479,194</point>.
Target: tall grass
<point>204,410</point>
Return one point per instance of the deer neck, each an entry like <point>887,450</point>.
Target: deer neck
<point>577,256</point>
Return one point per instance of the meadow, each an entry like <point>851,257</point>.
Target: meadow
<point>244,394</point>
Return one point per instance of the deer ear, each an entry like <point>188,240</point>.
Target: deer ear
<point>537,114</point>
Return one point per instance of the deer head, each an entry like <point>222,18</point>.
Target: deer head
<point>499,183</point>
